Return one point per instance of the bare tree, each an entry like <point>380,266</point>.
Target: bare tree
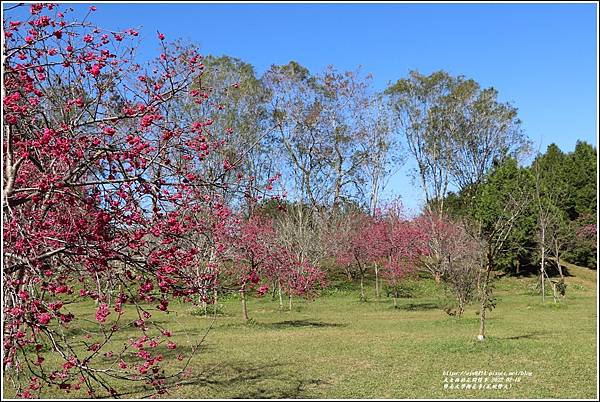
<point>381,152</point>
<point>550,225</point>
<point>418,105</point>
<point>300,230</point>
<point>321,122</point>
<point>462,255</point>
<point>499,203</point>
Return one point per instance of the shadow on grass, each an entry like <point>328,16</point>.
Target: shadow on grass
<point>280,324</point>
<point>530,335</point>
<point>551,270</point>
<point>251,380</point>
<point>418,306</point>
<point>522,274</point>
<point>565,271</point>
<point>300,324</point>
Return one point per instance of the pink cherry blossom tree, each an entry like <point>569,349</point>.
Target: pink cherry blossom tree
<point>458,256</point>
<point>301,279</point>
<point>251,254</point>
<point>406,245</point>
<point>102,201</point>
<point>360,241</point>
<point>255,256</point>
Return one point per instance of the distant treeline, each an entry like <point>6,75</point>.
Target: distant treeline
<point>562,192</point>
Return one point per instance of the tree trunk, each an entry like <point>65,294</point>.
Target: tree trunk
<point>348,274</point>
<point>280,296</point>
<point>215,302</point>
<point>461,307</point>
<point>339,175</point>
<point>542,284</point>
<point>542,272</point>
<point>290,302</point>
<point>244,307</point>
<point>376,282</point>
<point>518,266</point>
<point>558,265</point>
<point>482,309</point>
<point>557,253</point>
<point>273,291</point>
<point>395,301</point>
<point>554,294</point>
<point>376,172</point>
<point>362,288</point>
<point>438,278</point>
<point>484,301</point>
<point>554,291</point>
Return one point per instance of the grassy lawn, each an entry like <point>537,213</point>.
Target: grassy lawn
<point>336,347</point>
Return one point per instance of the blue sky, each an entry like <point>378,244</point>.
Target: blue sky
<point>540,57</point>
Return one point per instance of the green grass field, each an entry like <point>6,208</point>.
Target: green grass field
<point>337,347</point>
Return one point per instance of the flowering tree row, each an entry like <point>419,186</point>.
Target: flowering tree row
<point>389,243</point>
<point>113,196</point>
<point>256,259</point>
